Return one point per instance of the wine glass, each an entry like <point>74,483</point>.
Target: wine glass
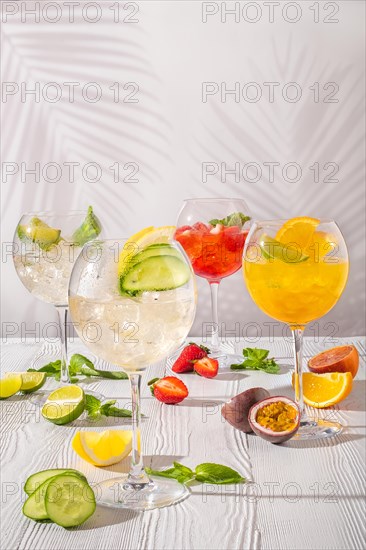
<point>296,271</point>
<point>213,231</point>
<point>132,328</point>
<point>45,248</point>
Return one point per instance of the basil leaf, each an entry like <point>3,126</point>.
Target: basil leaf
<point>92,406</point>
<point>209,472</point>
<point>181,473</point>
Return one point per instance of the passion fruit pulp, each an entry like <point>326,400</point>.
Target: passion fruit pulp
<point>236,410</point>
<point>276,419</point>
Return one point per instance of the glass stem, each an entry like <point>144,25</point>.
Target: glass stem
<point>298,334</point>
<point>137,478</point>
<point>62,312</point>
<point>215,342</point>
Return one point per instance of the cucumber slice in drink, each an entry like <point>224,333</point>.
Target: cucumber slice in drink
<point>69,500</point>
<point>274,250</point>
<point>35,480</point>
<point>35,506</point>
<point>154,250</point>
<point>156,273</point>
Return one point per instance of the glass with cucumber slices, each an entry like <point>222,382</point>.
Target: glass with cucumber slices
<point>45,248</point>
<point>133,303</point>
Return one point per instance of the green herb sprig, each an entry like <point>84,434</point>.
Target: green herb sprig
<point>207,472</point>
<point>79,365</point>
<point>257,359</point>
<point>95,409</point>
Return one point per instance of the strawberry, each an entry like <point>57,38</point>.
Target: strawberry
<point>169,390</point>
<point>190,353</point>
<point>207,367</point>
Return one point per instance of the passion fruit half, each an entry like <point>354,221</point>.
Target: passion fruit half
<point>236,410</point>
<point>276,419</point>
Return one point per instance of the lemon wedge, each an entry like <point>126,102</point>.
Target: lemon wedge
<point>142,239</point>
<point>103,448</point>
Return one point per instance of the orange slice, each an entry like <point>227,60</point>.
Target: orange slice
<point>299,231</point>
<point>324,390</point>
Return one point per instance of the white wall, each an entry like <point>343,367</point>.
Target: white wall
<point>170,131</point>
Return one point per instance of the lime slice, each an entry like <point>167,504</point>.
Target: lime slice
<point>40,233</point>
<point>144,238</point>
<point>10,385</point>
<point>157,273</point>
<point>89,229</point>
<point>32,381</point>
<point>273,249</point>
<point>64,405</point>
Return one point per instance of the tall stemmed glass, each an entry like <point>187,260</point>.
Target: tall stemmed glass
<point>45,248</point>
<point>296,271</point>
<point>213,231</point>
<point>132,317</point>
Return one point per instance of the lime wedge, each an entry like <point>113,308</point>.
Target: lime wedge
<point>64,405</point>
<point>10,385</point>
<point>157,273</point>
<point>32,381</point>
<point>273,249</point>
<point>40,233</point>
<point>89,229</point>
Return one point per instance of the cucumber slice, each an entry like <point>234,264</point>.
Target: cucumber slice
<point>69,500</point>
<point>35,506</point>
<point>35,480</point>
<point>156,273</point>
<point>154,250</point>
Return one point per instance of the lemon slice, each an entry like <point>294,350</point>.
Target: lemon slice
<point>40,233</point>
<point>64,405</point>
<point>31,381</point>
<point>103,448</point>
<point>142,239</point>
<point>10,385</point>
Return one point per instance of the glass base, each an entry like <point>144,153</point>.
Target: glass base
<point>311,429</point>
<point>40,398</point>
<point>161,492</point>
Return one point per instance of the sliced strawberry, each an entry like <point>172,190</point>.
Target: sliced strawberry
<point>169,390</point>
<point>207,367</point>
<point>190,353</point>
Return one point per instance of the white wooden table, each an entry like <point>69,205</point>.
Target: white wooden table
<point>301,496</point>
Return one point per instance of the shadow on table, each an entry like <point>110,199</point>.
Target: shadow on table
<point>104,516</point>
<point>203,403</point>
<point>156,462</point>
<point>344,437</point>
<point>356,401</point>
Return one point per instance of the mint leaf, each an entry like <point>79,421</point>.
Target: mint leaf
<point>181,473</point>
<point>209,472</point>
<point>257,359</point>
<point>234,219</point>
<point>108,409</point>
<point>92,406</point>
<point>50,369</point>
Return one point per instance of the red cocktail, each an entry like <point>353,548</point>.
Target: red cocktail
<point>213,233</point>
<point>214,250</point>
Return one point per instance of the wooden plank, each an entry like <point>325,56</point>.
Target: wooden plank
<point>301,495</point>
